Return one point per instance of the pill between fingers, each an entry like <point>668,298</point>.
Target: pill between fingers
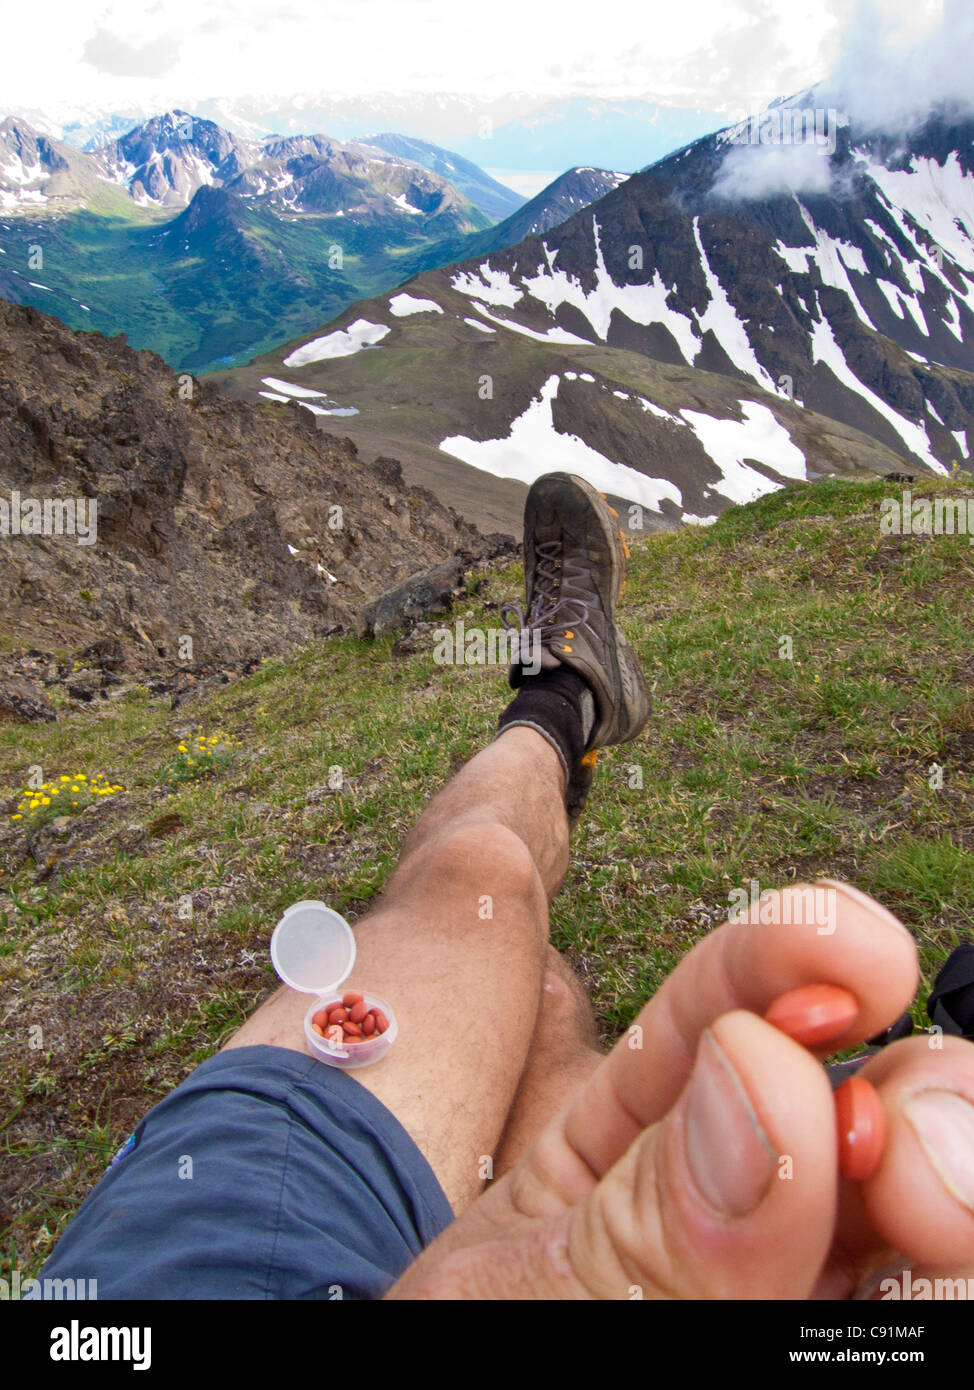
<point>813,1014</point>
<point>861,1123</point>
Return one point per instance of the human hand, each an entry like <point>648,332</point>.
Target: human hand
<point>703,1162</point>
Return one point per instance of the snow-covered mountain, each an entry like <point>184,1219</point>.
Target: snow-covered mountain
<point>516,130</point>
<point>564,196</point>
<point>38,172</point>
<point>844,281</point>
<point>166,159</point>
<point>737,316</point>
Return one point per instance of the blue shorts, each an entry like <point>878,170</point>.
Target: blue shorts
<point>266,1174</point>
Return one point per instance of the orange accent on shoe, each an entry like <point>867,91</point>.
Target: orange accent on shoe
<point>591,758</point>
<point>567,649</point>
<point>569,634</point>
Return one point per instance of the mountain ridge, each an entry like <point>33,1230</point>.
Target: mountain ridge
<point>848,297</point>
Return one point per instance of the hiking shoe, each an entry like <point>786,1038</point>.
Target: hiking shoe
<point>574,571</point>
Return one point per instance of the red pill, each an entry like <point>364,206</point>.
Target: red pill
<point>352,1030</point>
<point>337,1014</point>
<point>358,1011</point>
<point>321,1019</point>
<point>368,1024</point>
<point>814,1014</point>
<point>381,1022</point>
<point>861,1123</point>
<point>351,997</point>
<point>318,1028</point>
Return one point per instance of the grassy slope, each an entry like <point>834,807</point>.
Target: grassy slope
<point>752,766</point>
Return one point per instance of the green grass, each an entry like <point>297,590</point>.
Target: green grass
<point>147,942</point>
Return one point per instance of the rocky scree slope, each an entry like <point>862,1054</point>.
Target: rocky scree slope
<point>248,531</point>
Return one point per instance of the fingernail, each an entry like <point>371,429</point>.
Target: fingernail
<point>730,1156</point>
<point>944,1124</point>
<point>877,909</point>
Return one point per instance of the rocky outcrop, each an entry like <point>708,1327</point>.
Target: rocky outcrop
<point>180,529</point>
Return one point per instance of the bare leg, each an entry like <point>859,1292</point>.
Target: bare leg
<point>564,1052</point>
<point>458,945</point>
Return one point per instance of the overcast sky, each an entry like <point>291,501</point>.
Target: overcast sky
<point>723,55</point>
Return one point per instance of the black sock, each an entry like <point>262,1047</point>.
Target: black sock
<point>560,706</point>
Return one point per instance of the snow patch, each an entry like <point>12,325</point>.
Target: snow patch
<point>493,285</point>
<point>403,304</point>
<point>721,317</point>
<point>826,349</point>
<point>760,436</point>
<point>288,388</point>
<point>534,446</point>
<point>552,335</point>
<point>342,343</point>
<point>329,410</point>
<point>644,304</point>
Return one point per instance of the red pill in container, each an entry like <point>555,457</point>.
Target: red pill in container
<point>313,951</point>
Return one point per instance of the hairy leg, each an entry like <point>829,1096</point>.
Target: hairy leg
<point>458,945</point>
<point>563,1054</point>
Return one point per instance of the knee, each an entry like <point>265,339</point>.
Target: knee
<point>486,862</point>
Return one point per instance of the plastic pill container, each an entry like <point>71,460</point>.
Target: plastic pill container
<point>313,951</point>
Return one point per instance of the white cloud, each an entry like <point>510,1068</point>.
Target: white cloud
<point>893,66</point>
<point>758,171</point>
<point>719,55</point>
<point>895,62</point>
<point>108,53</point>
<point>621,48</point>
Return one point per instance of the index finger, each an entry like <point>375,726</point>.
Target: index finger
<point>826,933</point>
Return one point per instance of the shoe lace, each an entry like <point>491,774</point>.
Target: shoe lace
<point>549,610</point>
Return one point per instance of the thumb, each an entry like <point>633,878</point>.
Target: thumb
<point>733,1194</point>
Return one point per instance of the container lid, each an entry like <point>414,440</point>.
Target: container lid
<point>313,948</point>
